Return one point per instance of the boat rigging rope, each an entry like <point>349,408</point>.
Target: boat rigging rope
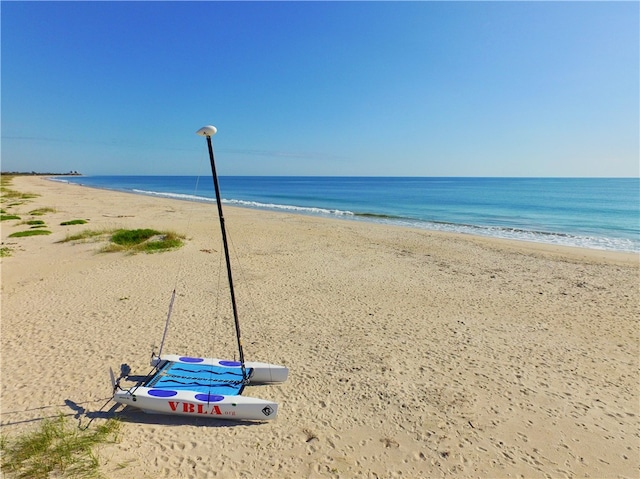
<point>166,325</point>
<point>178,275</point>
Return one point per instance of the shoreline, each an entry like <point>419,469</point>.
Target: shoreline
<point>363,217</point>
<point>412,353</point>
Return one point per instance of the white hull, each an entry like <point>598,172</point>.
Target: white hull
<point>185,403</point>
<point>197,404</point>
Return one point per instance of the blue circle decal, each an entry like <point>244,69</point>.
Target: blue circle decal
<point>187,359</point>
<point>162,393</point>
<point>230,363</point>
<point>209,397</point>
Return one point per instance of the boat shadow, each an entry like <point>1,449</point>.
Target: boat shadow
<point>131,414</point>
<point>54,411</point>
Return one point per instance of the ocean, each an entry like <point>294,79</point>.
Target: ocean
<point>597,213</point>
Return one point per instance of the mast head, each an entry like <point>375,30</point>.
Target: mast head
<point>208,131</point>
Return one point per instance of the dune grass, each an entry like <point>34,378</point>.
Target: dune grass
<point>130,241</point>
<point>37,232</point>
<point>8,194</point>
<point>143,240</point>
<point>132,237</point>
<point>73,222</point>
<point>85,236</point>
<point>42,211</point>
<point>5,251</point>
<point>57,449</point>
<point>9,217</point>
<point>11,195</point>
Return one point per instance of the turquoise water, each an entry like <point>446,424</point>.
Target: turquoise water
<point>599,213</point>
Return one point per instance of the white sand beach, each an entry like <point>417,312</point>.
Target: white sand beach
<point>412,353</point>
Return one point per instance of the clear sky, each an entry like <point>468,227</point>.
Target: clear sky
<point>322,88</point>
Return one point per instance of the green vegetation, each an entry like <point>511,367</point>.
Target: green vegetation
<point>9,217</point>
<point>42,211</point>
<point>20,234</point>
<point>57,449</point>
<point>132,237</point>
<point>86,235</point>
<point>5,182</point>
<point>73,222</point>
<point>132,241</point>
<point>4,251</point>
<point>35,224</point>
<point>143,240</point>
<point>9,194</point>
<point>167,241</point>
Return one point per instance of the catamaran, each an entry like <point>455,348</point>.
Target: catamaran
<point>204,387</point>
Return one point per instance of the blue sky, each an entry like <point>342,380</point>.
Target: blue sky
<point>322,88</point>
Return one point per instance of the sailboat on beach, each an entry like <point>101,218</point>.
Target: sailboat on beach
<point>204,387</point>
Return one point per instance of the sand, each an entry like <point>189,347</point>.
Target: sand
<point>412,353</point>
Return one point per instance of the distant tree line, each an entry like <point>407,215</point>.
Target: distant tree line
<point>35,173</point>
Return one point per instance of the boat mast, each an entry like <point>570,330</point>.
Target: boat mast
<point>208,132</point>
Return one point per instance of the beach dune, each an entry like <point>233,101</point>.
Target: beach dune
<point>412,353</point>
